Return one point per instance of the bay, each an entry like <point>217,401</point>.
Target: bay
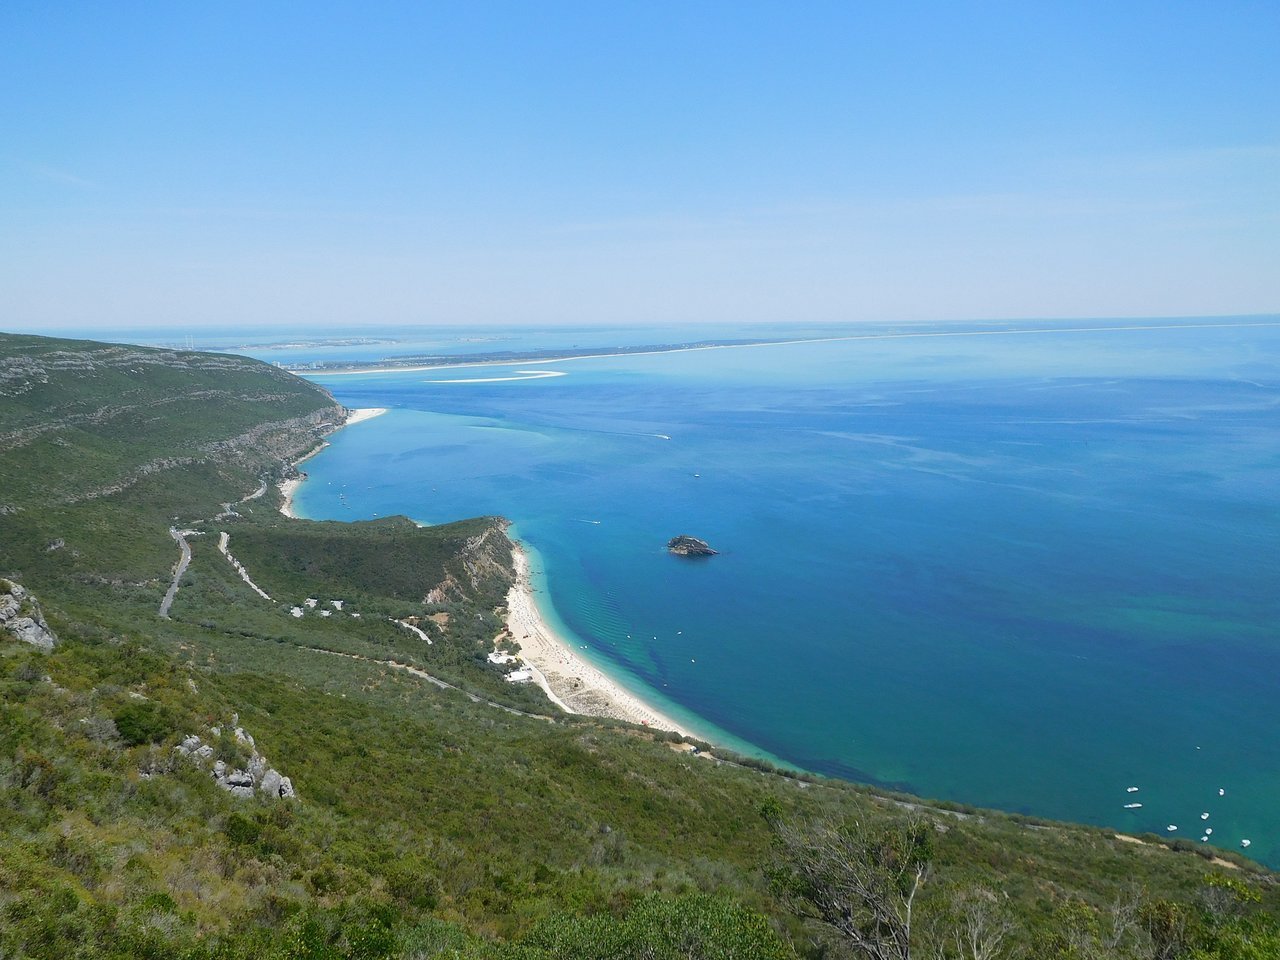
<point>1024,571</point>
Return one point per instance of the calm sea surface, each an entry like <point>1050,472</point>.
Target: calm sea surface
<point>1025,571</point>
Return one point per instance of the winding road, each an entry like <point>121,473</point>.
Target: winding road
<point>183,562</point>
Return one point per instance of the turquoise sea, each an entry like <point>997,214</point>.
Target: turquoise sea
<point>1018,570</point>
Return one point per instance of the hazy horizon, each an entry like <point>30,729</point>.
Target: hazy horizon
<point>176,332</point>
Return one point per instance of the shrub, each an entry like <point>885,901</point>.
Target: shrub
<point>143,722</point>
<point>27,672</point>
<point>100,729</point>
<point>241,829</point>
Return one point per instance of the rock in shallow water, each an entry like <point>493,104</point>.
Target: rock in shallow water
<point>686,546</point>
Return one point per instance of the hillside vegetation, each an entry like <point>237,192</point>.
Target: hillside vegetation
<point>438,811</point>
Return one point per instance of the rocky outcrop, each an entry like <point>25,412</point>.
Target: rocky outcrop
<point>21,617</point>
<point>485,561</point>
<point>24,371</point>
<point>256,776</point>
<point>447,590</point>
<point>487,556</point>
<point>686,546</point>
<point>279,440</point>
<point>106,413</point>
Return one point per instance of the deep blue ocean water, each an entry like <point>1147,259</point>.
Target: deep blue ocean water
<point>1019,571</point>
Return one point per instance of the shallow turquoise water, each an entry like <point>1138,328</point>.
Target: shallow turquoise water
<point>1020,571</point>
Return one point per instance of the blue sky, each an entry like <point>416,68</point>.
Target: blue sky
<point>332,165</point>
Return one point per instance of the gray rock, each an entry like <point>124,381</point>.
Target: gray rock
<point>20,615</point>
<point>256,776</point>
<point>35,633</point>
<point>687,546</point>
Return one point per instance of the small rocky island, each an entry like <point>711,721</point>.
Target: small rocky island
<point>683,546</point>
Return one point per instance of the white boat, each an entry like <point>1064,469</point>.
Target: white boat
<point>1131,790</point>
<point>1132,806</point>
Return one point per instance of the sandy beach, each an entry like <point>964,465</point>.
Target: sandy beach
<point>570,680</point>
<point>364,413</point>
<point>290,487</point>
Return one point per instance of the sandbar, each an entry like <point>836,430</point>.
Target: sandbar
<point>895,335</point>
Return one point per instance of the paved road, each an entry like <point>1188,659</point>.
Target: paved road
<point>183,561</point>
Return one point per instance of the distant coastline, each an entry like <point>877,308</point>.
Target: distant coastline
<point>419,364</point>
<point>535,357</point>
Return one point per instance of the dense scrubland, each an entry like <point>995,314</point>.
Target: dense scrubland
<point>469,821</point>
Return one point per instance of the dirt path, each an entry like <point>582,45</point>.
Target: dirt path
<point>443,685</point>
<point>409,626</point>
<point>224,540</point>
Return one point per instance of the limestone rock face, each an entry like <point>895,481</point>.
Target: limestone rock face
<point>20,615</point>
<point>686,546</point>
<point>274,785</point>
<point>255,776</point>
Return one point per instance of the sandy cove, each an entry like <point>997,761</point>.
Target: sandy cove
<point>289,487</point>
<point>570,680</point>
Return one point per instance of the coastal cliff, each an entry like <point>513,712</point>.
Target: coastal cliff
<point>83,421</point>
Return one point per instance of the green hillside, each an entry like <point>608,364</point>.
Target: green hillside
<point>437,811</point>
